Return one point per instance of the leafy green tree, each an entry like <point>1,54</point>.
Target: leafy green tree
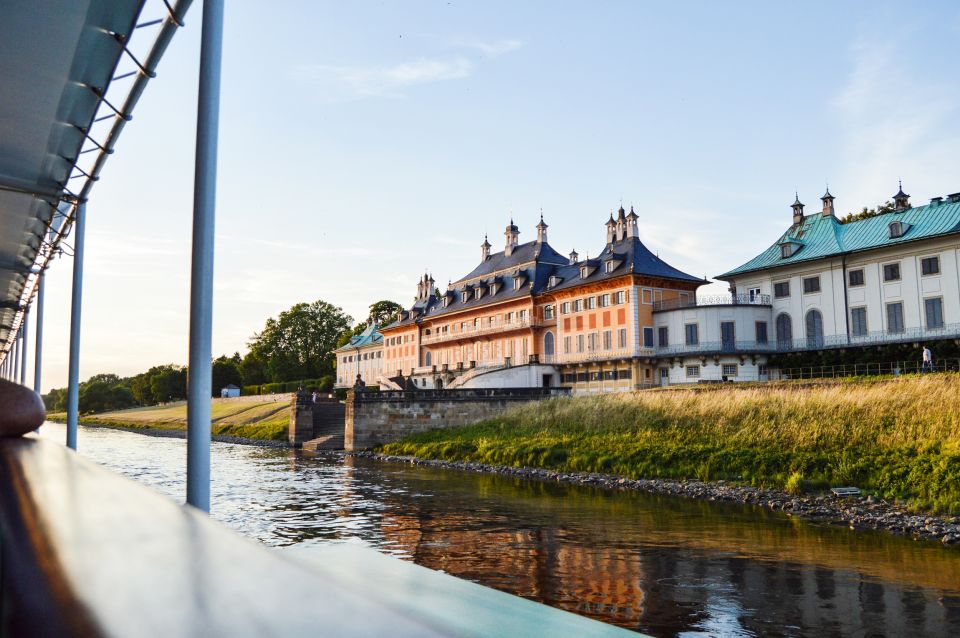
<point>224,372</point>
<point>169,383</point>
<point>384,311</point>
<point>253,369</point>
<point>299,342</point>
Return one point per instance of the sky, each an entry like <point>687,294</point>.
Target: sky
<point>363,143</point>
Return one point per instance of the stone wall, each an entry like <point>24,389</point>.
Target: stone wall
<point>309,420</point>
<point>375,418</point>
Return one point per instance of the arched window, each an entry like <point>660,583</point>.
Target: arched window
<point>427,359</point>
<point>548,345</point>
<point>784,332</point>
<point>814,323</point>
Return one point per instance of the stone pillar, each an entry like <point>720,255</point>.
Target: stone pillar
<point>351,407</point>
<point>301,419</point>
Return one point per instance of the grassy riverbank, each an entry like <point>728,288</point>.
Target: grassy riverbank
<point>899,438</point>
<point>263,420</point>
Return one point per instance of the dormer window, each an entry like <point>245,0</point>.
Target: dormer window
<point>465,297</point>
<point>610,266</point>
<point>788,250</point>
<point>517,282</point>
<point>897,229</point>
<point>583,272</point>
<point>553,281</point>
<point>479,292</point>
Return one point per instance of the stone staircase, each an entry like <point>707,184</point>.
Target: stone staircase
<point>328,426</point>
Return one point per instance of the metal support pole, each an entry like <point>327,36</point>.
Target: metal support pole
<point>25,333</point>
<point>201,274</point>
<point>38,350</point>
<point>73,379</point>
<point>16,356</point>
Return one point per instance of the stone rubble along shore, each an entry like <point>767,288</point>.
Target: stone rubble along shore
<point>857,513</point>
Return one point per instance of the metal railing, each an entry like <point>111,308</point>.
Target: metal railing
<point>460,394</point>
<point>471,330</point>
<point>827,342</point>
<point>596,355</point>
<point>715,300</point>
<point>894,368</point>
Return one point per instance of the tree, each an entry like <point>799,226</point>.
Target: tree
<point>169,383</point>
<point>299,342</point>
<point>253,369</point>
<point>224,372</point>
<point>384,311</point>
<point>866,213</point>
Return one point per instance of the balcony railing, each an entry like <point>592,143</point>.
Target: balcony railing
<point>827,342</point>
<point>595,355</point>
<point>471,330</point>
<point>716,300</point>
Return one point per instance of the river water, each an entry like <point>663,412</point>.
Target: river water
<point>664,566</point>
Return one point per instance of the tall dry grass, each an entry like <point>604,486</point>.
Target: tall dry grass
<point>897,437</point>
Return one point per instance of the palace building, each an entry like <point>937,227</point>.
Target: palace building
<point>529,317</point>
<point>360,358</point>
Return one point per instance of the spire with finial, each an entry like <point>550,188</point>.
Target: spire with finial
<point>632,230</point>
<point>542,230</point>
<point>901,201</point>
<point>797,209</point>
<point>827,200</point>
<point>574,257</point>
<point>512,234</point>
<point>485,249</point>
<point>611,229</point>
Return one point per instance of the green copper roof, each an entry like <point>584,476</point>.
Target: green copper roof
<point>820,236</point>
<point>370,336</point>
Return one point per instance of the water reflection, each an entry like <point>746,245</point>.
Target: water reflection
<point>660,565</point>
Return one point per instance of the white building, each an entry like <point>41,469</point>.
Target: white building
<point>824,284</point>
<point>362,356</point>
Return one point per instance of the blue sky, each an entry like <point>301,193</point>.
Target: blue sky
<point>362,143</point>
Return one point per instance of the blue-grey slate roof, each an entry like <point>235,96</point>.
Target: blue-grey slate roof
<point>521,254</point>
<point>820,236</point>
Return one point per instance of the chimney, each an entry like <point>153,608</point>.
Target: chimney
<point>485,250</point>
<point>827,200</point>
<point>797,210</point>
<point>512,233</point>
<point>574,257</point>
<point>632,218</point>
<point>901,201</point>
<point>541,230</point>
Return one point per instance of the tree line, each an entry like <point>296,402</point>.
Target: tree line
<point>297,345</point>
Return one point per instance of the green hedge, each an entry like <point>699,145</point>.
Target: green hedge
<point>323,384</point>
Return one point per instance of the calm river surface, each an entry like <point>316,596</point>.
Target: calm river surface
<point>667,567</point>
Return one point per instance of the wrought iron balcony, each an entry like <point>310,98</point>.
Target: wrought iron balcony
<point>715,300</point>
<point>471,330</point>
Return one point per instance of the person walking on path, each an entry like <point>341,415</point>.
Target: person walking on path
<point>927,360</point>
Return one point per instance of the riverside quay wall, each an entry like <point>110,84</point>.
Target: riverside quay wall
<point>376,418</point>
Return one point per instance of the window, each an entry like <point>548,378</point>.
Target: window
<point>855,277</point>
<point>625,374</point>
<point>762,369</point>
<point>753,294</point>
<point>517,282</point>
<point>897,229</point>
<point>548,312</point>
<point>784,331</point>
<point>465,297</point>
<point>565,308</point>
<point>648,337</point>
<point>692,334</point>
<point>548,343</point>
<point>781,289</point>
<point>604,300</point>
<point>788,250</point>
<point>811,285</point>
<point>891,272</point>
<point>553,281</point>
<point>591,303</point>
<point>663,336</point>
<point>609,375</point>
<point>607,340</point>
<point>523,316</point>
<point>761,329</point>
<point>578,305</point>
<point>583,272</point>
<point>646,296</point>
<point>508,317</point>
<point>729,369</point>
<point>895,317</point>
<point>693,372</point>
<point>610,266</point>
<point>622,338</point>
<point>619,297</point>
<point>566,345</point>
<point>593,342</point>
<point>858,322</point>
<point>933,309</point>
<point>579,343</point>
<point>727,335</point>
<point>930,266</point>
<point>814,326</point>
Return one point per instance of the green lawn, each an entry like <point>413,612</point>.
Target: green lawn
<point>252,420</point>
